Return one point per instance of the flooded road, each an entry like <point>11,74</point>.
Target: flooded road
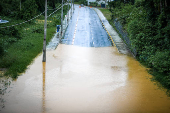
<point>85,80</point>
<point>80,78</point>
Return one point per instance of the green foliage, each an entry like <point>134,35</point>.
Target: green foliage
<point>21,53</point>
<point>28,9</point>
<point>160,61</point>
<point>148,26</point>
<point>9,7</point>
<point>11,31</point>
<point>41,5</point>
<point>8,37</point>
<point>83,2</point>
<point>140,33</point>
<point>12,8</point>
<point>107,14</point>
<point>80,2</point>
<point>37,29</point>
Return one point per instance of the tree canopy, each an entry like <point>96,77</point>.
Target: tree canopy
<point>29,8</point>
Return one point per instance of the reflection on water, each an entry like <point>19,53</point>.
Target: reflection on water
<point>43,87</point>
<point>139,95</point>
<point>86,80</point>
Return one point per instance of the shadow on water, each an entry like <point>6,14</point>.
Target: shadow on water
<point>43,87</point>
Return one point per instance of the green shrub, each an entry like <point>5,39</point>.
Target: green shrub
<point>11,31</point>
<point>161,61</point>
<point>160,67</point>
<point>37,29</point>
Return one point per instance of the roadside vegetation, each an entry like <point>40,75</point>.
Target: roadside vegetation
<point>147,23</point>
<point>85,2</point>
<point>107,14</point>
<point>20,44</point>
<point>94,4</point>
<point>80,2</point>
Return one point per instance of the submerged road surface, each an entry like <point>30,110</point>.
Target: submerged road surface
<point>78,79</point>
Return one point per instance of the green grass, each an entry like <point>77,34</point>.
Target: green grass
<point>77,3</point>
<point>106,13</point>
<point>20,54</point>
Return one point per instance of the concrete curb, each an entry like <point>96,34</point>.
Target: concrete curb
<point>114,36</point>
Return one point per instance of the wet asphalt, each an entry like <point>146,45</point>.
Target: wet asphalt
<point>86,30</point>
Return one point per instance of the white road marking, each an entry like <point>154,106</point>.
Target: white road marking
<point>75,29</point>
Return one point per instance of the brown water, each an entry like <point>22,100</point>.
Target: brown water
<point>85,80</point>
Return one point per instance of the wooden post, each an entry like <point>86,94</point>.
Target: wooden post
<point>20,5</point>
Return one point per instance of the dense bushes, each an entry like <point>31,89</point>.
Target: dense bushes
<point>28,10</point>
<point>80,2</point>
<point>8,37</point>
<point>148,25</point>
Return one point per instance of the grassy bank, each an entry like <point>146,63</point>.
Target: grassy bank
<point>21,44</point>
<point>20,54</point>
<point>108,15</point>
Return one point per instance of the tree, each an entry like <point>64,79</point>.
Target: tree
<point>97,1</point>
<point>28,10</point>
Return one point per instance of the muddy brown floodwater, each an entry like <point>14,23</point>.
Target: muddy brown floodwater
<point>85,80</point>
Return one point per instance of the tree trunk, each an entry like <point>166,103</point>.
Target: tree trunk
<point>20,5</point>
<point>166,4</point>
